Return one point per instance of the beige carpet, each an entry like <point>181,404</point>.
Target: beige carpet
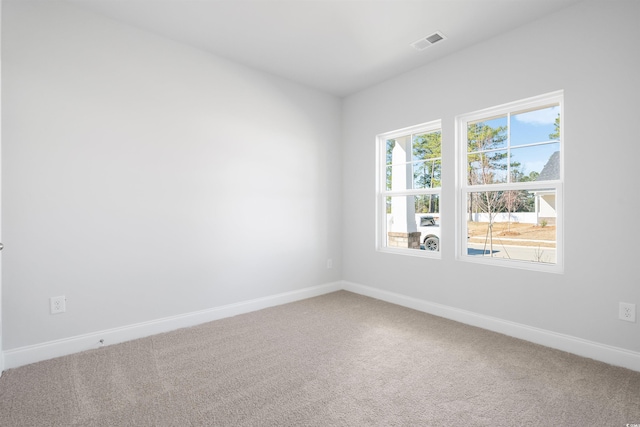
<point>336,360</point>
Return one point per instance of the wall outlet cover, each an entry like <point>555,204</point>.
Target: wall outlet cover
<point>627,311</point>
<point>58,304</point>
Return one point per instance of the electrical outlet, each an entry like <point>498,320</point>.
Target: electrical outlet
<point>627,312</point>
<point>329,263</point>
<point>58,304</point>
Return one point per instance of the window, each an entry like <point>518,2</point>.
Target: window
<point>408,190</point>
<point>510,176</point>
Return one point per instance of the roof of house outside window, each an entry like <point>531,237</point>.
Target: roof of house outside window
<point>551,170</point>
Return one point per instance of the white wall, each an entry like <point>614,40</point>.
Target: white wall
<point>144,179</point>
<point>1,353</point>
<point>591,52</point>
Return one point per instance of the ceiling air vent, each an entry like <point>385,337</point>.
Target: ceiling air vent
<point>425,42</point>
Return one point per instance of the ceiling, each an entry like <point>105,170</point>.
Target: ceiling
<point>338,46</point>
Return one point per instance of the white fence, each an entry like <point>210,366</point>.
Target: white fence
<point>522,217</point>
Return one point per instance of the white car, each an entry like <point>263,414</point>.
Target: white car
<point>429,232</point>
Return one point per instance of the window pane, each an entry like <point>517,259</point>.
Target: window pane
<point>487,135</point>
<point>389,150</point>
<point>426,146</point>
<point>399,170</point>
<point>427,174</point>
<point>517,225</point>
<point>487,168</point>
<point>427,203</point>
<point>535,126</point>
<point>413,222</point>
<point>528,163</point>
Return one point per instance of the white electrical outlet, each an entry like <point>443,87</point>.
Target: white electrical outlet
<point>329,263</point>
<point>627,312</point>
<point>58,304</point>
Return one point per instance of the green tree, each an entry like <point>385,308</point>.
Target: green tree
<point>389,152</point>
<point>556,132</point>
<point>389,159</point>
<point>528,198</point>
<point>483,161</point>
<point>427,172</point>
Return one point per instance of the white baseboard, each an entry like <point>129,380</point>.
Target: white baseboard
<point>578,346</point>
<point>601,352</point>
<point>49,350</point>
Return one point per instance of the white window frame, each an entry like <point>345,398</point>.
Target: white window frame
<point>463,188</point>
<point>382,193</point>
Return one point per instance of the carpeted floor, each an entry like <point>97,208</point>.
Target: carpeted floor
<point>336,360</point>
